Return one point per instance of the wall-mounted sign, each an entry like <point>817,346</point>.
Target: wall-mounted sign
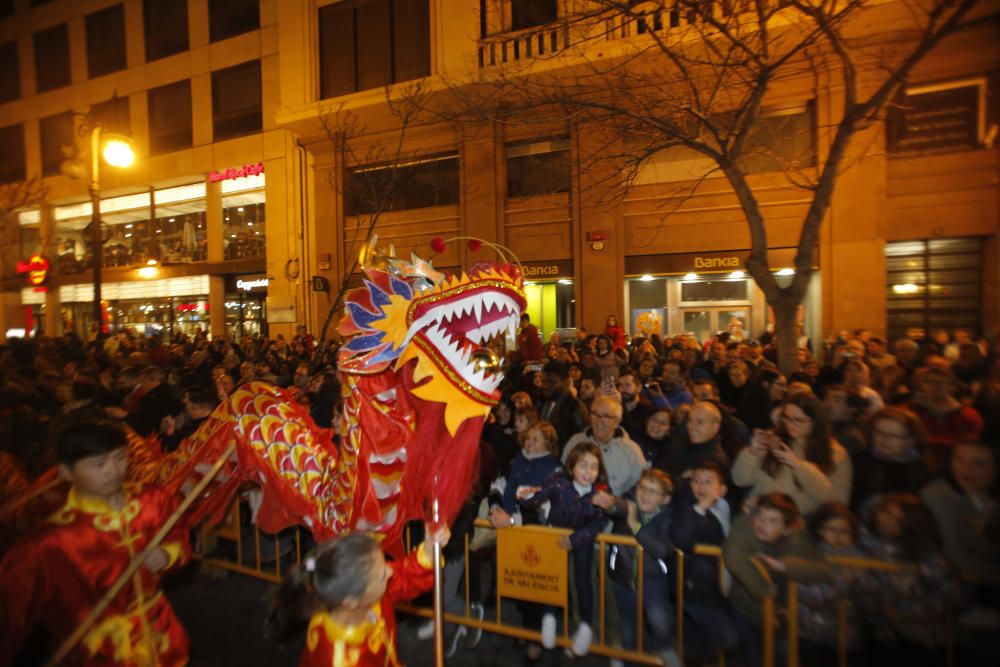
<point>255,283</point>
<point>249,285</point>
<point>320,284</point>
<point>37,269</point>
<point>560,268</point>
<point>236,172</point>
<point>706,262</point>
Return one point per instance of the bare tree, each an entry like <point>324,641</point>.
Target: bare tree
<point>375,161</point>
<point>13,198</point>
<point>693,76</point>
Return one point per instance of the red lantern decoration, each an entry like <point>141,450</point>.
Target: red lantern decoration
<point>475,244</point>
<point>438,245</point>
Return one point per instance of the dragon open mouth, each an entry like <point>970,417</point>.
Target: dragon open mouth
<point>459,322</point>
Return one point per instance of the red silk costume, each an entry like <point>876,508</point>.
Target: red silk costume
<point>56,575</point>
<point>371,644</point>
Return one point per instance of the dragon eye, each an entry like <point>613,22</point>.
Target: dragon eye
<point>484,359</point>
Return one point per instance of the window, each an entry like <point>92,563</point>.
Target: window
<point>165,24</point>
<point>12,155</point>
<point>31,241</point>
<point>228,18</point>
<point>170,117</point>
<point>113,115</point>
<point>937,119</point>
<point>105,41</point>
<point>714,290</point>
<point>243,225</point>
<point>934,284</point>
<point>431,182</point>
<point>365,44</point>
<point>530,13</point>
<point>10,73</point>
<point>236,101</point>
<point>781,140</point>
<point>538,168</point>
<point>56,134</point>
<point>52,58</point>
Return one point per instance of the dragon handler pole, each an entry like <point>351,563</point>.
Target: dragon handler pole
<point>133,567</point>
<point>438,587</point>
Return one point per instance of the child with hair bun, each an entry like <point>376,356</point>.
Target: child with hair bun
<point>347,590</point>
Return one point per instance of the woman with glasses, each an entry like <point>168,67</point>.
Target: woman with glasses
<point>894,460</point>
<point>799,458</point>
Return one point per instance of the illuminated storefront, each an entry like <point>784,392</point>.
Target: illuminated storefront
<point>551,296</point>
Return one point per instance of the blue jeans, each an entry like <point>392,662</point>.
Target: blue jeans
<point>708,630</point>
<point>657,613</point>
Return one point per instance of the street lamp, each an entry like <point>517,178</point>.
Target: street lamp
<point>117,152</point>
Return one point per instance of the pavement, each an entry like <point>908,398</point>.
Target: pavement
<point>225,617</point>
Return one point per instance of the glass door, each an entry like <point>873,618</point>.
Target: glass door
<point>706,322</point>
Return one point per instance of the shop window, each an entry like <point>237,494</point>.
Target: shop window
<point>647,300</point>
<point>243,225</point>
<point>937,119</point>
<point>934,284</point>
<point>368,44</point>
<point>56,135</point>
<point>236,106</point>
<point>31,241</point>
<point>531,13</point>
<point>539,168</point>
<point>165,24</point>
<point>113,115</point>
<point>228,18</point>
<point>178,234</point>
<point>105,41</point>
<point>10,73</point>
<point>52,58</point>
<point>12,155</point>
<point>170,117</point>
<point>431,182</point>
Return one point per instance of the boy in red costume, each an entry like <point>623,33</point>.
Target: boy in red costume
<point>56,575</point>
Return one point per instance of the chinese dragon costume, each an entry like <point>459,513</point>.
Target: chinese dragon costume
<point>417,385</point>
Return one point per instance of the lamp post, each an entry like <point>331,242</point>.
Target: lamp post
<point>117,152</point>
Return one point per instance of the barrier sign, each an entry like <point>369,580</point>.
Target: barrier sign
<point>532,565</point>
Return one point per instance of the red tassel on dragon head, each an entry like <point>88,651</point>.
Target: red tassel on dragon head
<point>418,382</point>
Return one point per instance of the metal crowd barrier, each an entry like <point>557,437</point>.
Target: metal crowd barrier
<point>270,557</point>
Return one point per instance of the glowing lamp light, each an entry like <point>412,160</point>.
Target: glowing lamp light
<point>147,272</point>
<point>565,281</point>
<point>646,278</point>
<point>786,272</point>
<point>690,276</point>
<point>118,152</point>
<point>736,274</point>
<point>905,288</point>
<point>151,262</point>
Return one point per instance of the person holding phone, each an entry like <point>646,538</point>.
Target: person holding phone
<point>799,458</point>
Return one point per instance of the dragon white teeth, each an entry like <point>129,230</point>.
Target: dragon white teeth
<point>477,308</point>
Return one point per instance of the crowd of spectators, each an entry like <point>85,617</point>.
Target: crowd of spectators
<point>866,449</point>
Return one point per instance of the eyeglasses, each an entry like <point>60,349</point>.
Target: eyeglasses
<point>651,490</point>
<point>601,415</point>
<point>891,436</point>
<point>798,421</point>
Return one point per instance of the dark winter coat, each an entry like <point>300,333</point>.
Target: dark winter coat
<point>653,536</point>
<point>570,509</point>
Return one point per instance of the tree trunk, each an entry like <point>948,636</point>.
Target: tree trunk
<point>786,333</point>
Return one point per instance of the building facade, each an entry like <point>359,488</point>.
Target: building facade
<point>190,228</point>
<point>909,242</point>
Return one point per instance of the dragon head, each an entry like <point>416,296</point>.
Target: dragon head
<point>408,311</point>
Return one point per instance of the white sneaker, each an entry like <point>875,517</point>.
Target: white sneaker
<point>549,631</point>
<point>460,632</point>
<point>426,630</point>
<point>477,611</point>
<point>581,640</point>
<point>671,659</point>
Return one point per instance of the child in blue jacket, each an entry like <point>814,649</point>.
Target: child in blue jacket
<point>571,494</point>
